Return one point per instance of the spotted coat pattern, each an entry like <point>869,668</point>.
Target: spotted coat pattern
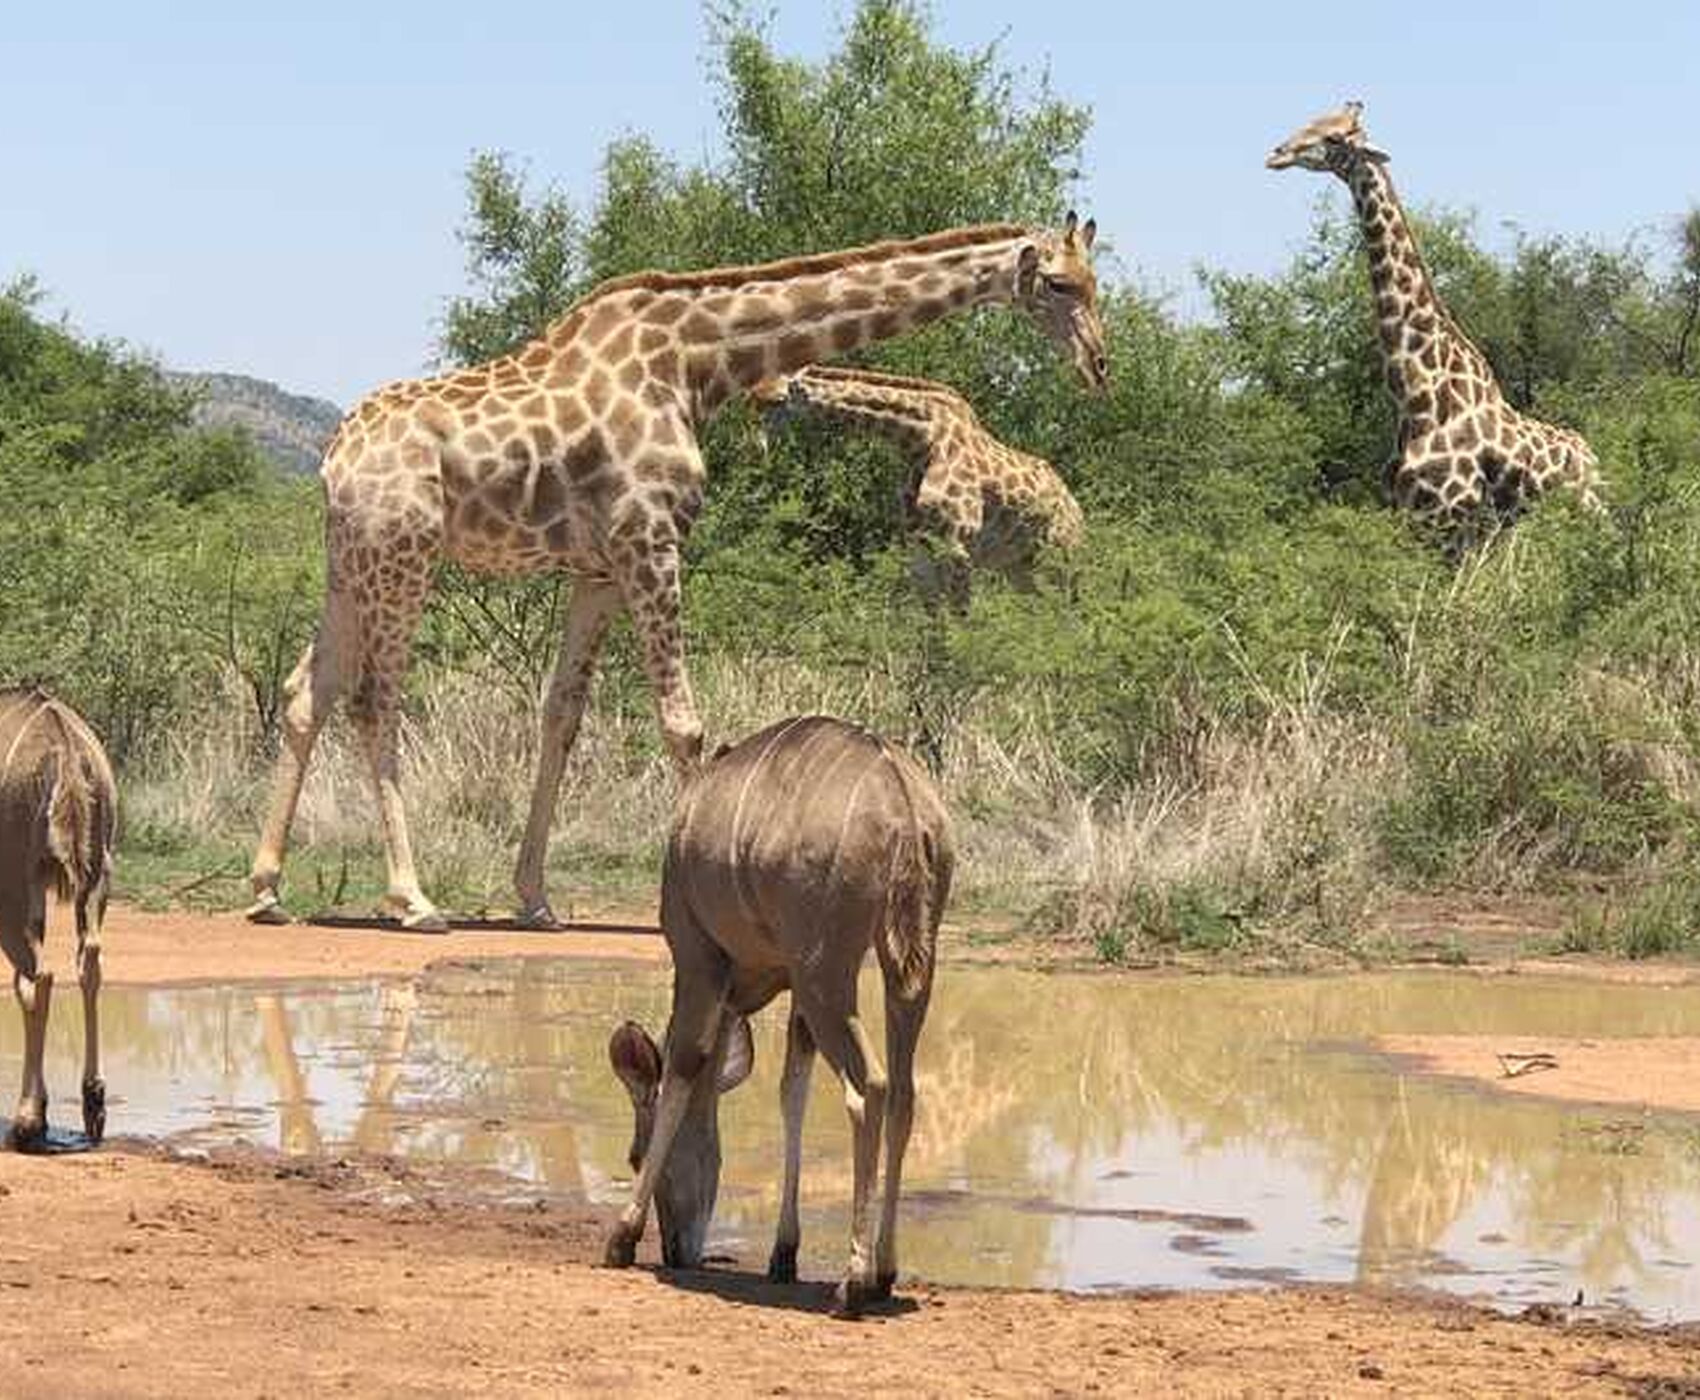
<point>1463,451</point>
<point>991,504</point>
<point>578,452</point>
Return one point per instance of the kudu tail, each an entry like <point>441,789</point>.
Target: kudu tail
<point>916,892</point>
<point>79,816</point>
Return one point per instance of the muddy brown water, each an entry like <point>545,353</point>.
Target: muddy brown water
<point>1075,1132</point>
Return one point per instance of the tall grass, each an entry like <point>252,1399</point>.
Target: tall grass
<point>1276,825</point>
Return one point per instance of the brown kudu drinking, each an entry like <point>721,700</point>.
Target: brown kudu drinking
<point>790,855</point>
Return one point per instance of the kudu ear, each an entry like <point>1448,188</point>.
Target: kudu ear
<point>1088,234</point>
<point>739,1057</point>
<point>636,1061</point>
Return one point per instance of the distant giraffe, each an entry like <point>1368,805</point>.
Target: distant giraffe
<point>1461,445</point>
<point>578,453</point>
<point>991,504</point>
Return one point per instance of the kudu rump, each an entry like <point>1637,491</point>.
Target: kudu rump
<point>789,855</point>
<point>58,810</point>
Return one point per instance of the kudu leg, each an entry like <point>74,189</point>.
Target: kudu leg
<point>793,1100</point>
<point>902,1030</point>
<point>34,991</point>
<point>843,1040</point>
<point>88,978</point>
<point>692,1046</point>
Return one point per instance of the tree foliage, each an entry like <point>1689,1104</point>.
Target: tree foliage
<point>1241,567</point>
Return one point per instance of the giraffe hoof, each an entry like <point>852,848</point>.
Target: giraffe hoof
<point>425,921</point>
<point>782,1264</point>
<point>267,910</point>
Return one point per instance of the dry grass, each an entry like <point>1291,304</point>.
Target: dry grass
<point>1274,825</point>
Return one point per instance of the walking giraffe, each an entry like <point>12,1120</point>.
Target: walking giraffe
<point>1461,445</point>
<point>992,504</point>
<point>578,452</point>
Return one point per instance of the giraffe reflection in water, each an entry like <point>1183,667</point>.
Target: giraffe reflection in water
<point>1063,1123</point>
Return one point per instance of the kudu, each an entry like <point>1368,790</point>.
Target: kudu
<point>789,855</point>
<point>58,810</point>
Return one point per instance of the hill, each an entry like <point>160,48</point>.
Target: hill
<point>291,429</point>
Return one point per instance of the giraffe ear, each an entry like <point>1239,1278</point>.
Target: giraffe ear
<point>1375,153</point>
<point>1026,268</point>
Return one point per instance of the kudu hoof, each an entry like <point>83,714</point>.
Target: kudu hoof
<point>782,1264</point>
<point>622,1250</point>
<point>29,1128</point>
<point>883,1284</point>
<point>851,1297</point>
<point>94,1109</point>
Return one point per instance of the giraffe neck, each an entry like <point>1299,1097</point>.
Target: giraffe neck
<point>736,326</point>
<point>912,418</point>
<point>1420,342</point>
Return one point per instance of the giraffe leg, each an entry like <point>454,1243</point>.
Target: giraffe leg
<point>591,609</point>
<point>650,583</point>
<point>309,695</point>
<point>386,634</point>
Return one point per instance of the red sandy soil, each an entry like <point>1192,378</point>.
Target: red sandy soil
<point>125,1272</point>
<point>1633,1072</point>
<point>179,947</point>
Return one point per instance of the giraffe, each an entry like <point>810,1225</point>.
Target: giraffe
<point>578,453</point>
<point>991,504</point>
<point>1461,446</point>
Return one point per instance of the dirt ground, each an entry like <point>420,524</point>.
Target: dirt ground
<point>1660,1072</point>
<point>126,1272</point>
<point>156,949</point>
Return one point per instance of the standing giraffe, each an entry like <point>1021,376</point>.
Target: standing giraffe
<point>1461,445</point>
<point>578,452</point>
<point>992,504</point>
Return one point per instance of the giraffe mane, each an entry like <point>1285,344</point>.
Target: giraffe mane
<point>1442,311</point>
<point>809,264</point>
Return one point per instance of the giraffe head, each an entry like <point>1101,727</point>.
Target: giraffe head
<point>1334,141</point>
<point>777,399</point>
<point>1056,286</point>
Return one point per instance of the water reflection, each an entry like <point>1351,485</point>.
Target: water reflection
<point>1081,1132</point>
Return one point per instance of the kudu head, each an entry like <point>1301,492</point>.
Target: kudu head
<point>690,1177</point>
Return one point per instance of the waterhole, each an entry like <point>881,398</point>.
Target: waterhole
<point>1072,1131</point>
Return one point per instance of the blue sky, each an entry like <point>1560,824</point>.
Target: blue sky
<point>274,189</point>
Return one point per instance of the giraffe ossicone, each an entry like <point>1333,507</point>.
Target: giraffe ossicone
<point>992,505</point>
<point>578,453</point>
<point>1462,448</point>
